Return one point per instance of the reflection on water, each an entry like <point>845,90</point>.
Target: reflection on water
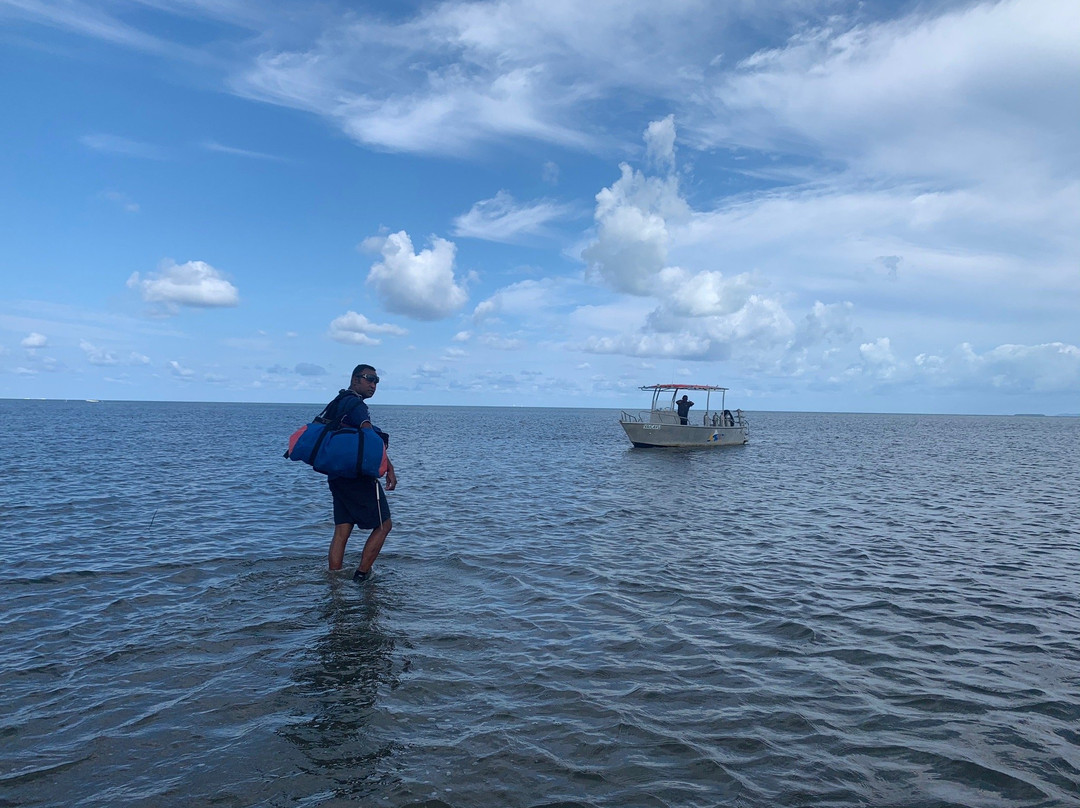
<point>339,688</point>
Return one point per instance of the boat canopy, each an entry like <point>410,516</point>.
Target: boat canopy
<point>659,387</point>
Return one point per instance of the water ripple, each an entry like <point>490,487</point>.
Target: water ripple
<point>886,615</point>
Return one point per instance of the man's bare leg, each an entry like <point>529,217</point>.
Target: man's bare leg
<point>372,547</point>
<point>337,545</point>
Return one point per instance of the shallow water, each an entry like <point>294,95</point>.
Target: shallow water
<point>850,610</point>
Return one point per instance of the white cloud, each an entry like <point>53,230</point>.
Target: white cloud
<point>88,20</point>
<point>179,370</point>
<point>361,78</point>
<point>194,283</point>
<point>660,143</point>
<point>976,92</point>
<point>523,298</point>
<point>1020,369</point>
<point>704,293</point>
<point>96,355</point>
<point>502,219</point>
<point>500,342</point>
<point>419,285</point>
<point>456,75</point>
<point>34,340</point>
<point>703,314</point>
<point>678,346</point>
<point>115,144</point>
<point>878,352</point>
<point>631,247</point>
<point>214,146</point>
<point>352,328</point>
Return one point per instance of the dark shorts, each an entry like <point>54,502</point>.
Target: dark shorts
<point>359,502</point>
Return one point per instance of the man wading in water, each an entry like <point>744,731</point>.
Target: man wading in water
<point>359,501</point>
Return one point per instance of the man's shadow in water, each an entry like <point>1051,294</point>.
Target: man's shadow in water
<point>339,690</point>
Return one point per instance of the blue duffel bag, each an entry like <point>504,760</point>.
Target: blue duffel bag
<point>338,451</point>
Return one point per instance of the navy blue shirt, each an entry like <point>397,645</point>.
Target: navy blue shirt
<point>356,412</point>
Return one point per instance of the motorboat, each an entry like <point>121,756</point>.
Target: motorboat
<point>661,424</point>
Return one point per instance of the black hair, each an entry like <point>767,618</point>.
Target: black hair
<point>359,369</point>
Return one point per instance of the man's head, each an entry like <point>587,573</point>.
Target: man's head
<point>684,398</point>
<point>364,381</point>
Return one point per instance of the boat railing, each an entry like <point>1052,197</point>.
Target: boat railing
<point>725,418</point>
<point>669,417</point>
<point>715,418</point>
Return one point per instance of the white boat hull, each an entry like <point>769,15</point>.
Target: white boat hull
<point>650,435</point>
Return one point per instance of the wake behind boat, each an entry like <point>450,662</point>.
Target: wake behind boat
<point>661,425</point>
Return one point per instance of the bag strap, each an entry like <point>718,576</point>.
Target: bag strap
<point>348,409</point>
<point>336,420</point>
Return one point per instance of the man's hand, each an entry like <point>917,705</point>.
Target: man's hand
<point>391,477</point>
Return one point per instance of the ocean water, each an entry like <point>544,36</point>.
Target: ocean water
<point>850,610</point>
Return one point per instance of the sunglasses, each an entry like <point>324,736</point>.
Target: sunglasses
<point>369,378</point>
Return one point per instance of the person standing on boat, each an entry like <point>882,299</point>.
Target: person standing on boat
<point>359,501</point>
<point>684,406</point>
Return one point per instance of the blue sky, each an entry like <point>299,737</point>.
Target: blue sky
<point>847,206</point>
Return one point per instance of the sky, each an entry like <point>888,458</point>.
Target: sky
<point>821,205</point>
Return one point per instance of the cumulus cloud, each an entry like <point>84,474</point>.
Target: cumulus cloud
<point>34,340</point>
<point>501,218</point>
<point>631,247</point>
<point>700,313</point>
<point>878,357</point>
<point>676,346</point>
<point>826,321</point>
<point>194,283</point>
<point>660,143</point>
<point>500,342</point>
<point>418,285</point>
<point>352,328</point>
<point>309,369</point>
<point>179,370</point>
<point>1052,367</point>
<point>705,293</point>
